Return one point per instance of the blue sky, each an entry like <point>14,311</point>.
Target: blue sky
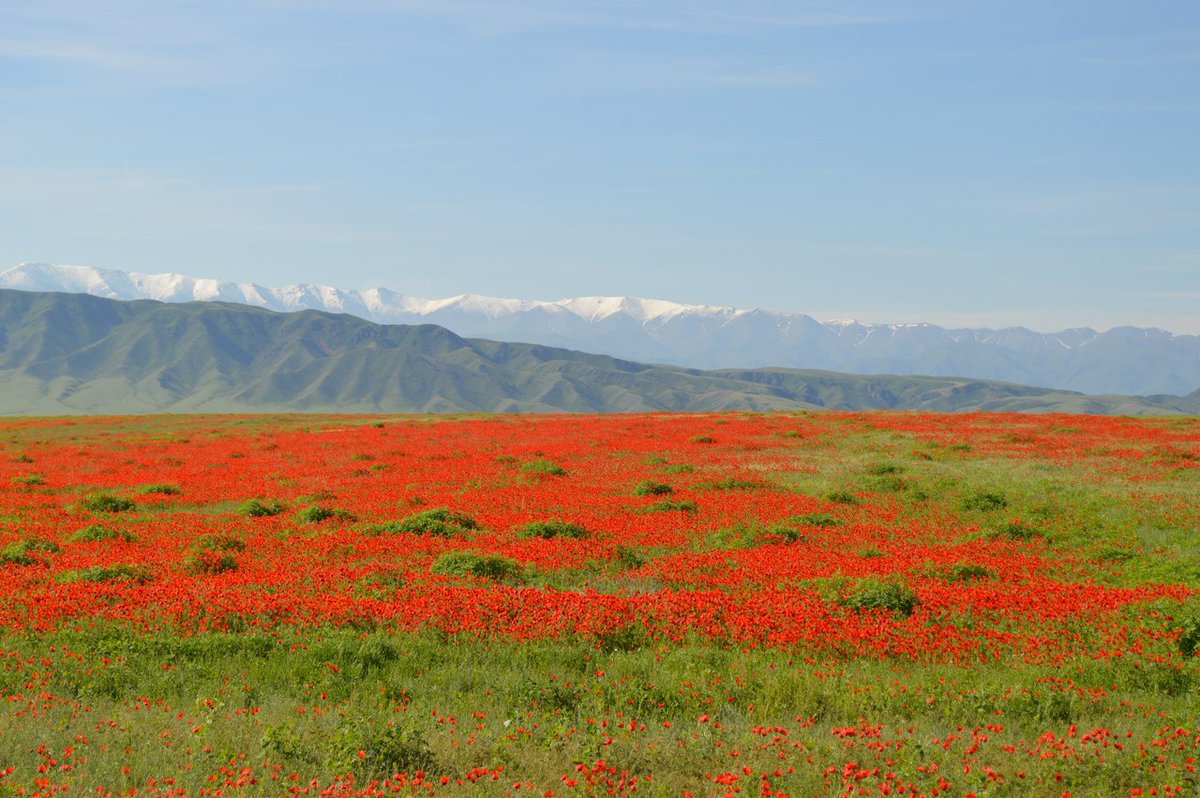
<point>975,163</point>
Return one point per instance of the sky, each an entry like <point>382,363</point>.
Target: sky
<point>1008,162</point>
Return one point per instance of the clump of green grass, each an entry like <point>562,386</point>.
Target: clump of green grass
<point>220,542</point>
<point>211,562</point>
<point>628,558</point>
<point>842,497</point>
<point>98,532</point>
<point>813,519</point>
<point>678,468</point>
<point>258,508</point>
<point>1189,636</point>
<point>985,501</point>
<point>107,503</point>
<point>119,572</point>
<point>160,488</point>
<point>214,554</point>
<point>29,479</point>
<point>552,528</point>
<point>434,521</point>
<point>969,572</point>
<point>781,533</point>
<point>649,487</point>
<point>1015,530</point>
<point>883,469</point>
<point>470,563</point>
<point>315,513</point>
<point>889,483</point>
<point>733,483</point>
<point>25,551</point>
<point>703,439</point>
<point>878,594</point>
<point>669,506</point>
<point>543,466</point>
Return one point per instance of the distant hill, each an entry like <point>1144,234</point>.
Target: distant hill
<point>73,353</point>
<point>1127,360</point>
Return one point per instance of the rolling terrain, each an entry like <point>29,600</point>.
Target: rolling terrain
<point>1126,360</point>
<point>75,353</point>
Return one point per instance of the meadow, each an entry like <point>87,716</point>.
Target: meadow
<point>799,604</point>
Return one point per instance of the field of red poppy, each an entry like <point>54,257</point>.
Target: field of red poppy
<point>714,604</point>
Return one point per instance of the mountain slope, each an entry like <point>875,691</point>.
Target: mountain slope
<point>1122,360</point>
<point>74,353</point>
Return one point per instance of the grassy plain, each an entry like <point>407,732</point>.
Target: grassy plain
<point>761,604</point>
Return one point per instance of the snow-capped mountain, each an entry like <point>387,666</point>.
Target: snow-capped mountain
<point>1122,360</point>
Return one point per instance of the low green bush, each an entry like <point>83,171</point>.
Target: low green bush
<point>161,488</point>
<point>669,506</point>
<point>434,521</point>
<point>812,519</point>
<point>985,501</point>
<point>25,551</point>
<point>733,483</point>
<point>548,467</point>
<point>258,508</point>
<point>469,563</point>
<point>99,532</point>
<point>552,528</point>
<point>107,503</point>
<point>969,572</point>
<point>220,542</point>
<point>648,487</point>
<point>842,497</point>
<point>876,594</point>
<point>1015,530</point>
<point>315,513</point>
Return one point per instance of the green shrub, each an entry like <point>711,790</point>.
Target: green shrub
<point>211,562</point>
<point>842,497</point>
<point>628,558</point>
<point>648,487</point>
<point>315,513</point>
<point>98,532</point>
<point>813,519</point>
<point>969,572</point>
<point>985,501</point>
<point>678,468</point>
<point>470,563</point>
<point>543,467</point>
<point>733,483</point>
<point>1015,530</point>
<point>781,533</point>
<point>1189,636</point>
<point>875,594</point>
<point>552,528</point>
<point>106,503</point>
<point>434,521</point>
<point>22,552</point>
<point>669,506</point>
<point>121,572</point>
<point>890,484</point>
<point>883,469</point>
<point>162,488</point>
<point>29,479</point>
<point>220,542</point>
<point>257,508</point>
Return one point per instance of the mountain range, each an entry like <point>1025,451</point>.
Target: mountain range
<point>76,353</point>
<point>1123,360</point>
